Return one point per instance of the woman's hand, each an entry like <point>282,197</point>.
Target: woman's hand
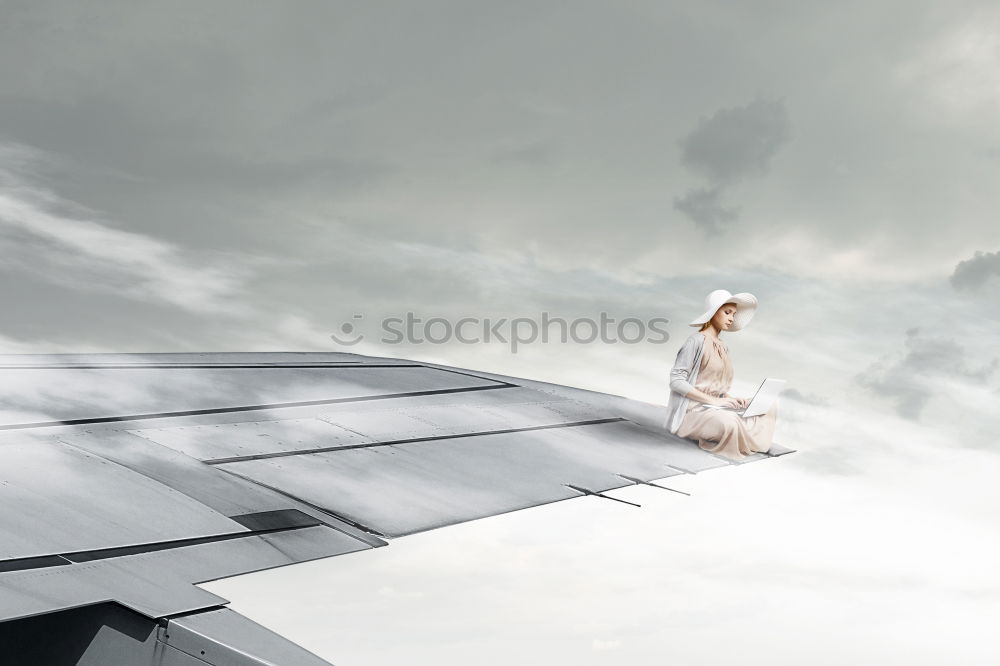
<point>733,403</point>
<point>718,401</point>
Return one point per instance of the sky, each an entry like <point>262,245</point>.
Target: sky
<point>253,176</point>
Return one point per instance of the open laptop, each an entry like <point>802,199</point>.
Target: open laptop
<point>762,400</point>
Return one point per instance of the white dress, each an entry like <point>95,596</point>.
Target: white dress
<point>723,431</point>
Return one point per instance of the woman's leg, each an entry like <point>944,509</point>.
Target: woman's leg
<point>729,434</point>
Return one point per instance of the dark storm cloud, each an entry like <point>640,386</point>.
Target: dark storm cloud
<point>736,142</point>
<point>914,379</point>
<point>973,273</point>
<point>732,144</point>
<point>704,206</point>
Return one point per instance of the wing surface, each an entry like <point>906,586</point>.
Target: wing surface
<point>127,479</point>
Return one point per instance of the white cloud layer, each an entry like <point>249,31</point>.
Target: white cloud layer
<point>858,548</point>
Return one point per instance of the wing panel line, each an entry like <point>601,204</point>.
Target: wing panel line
<point>391,442</point>
<point>249,408</point>
<point>276,521</point>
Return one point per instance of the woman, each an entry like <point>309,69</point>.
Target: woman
<point>703,374</point>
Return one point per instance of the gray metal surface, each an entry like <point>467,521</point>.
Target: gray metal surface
<point>206,442</point>
<point>43,395</point>
<point>101,635</point>
<point>151,592</point>
<point>110,635</point>
<point>58,499</point>
<point>219,491</point>
<point>187,358</point>
<point>161,583</point>
<point>127,479</point>
<point>225,638</point>
<point>407,488</point>
<point>371,422</point>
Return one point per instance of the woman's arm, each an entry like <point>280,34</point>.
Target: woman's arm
<point>681,372</point>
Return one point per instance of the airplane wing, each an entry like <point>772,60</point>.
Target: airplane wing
<point>126,479</point>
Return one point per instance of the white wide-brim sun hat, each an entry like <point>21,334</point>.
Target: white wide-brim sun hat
<point>746,306</point>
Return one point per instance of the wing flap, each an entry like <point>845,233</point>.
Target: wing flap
<point>160,583</point>
<point>356,425</point>
<point>226,638</point>
<point>58,498</point>
<point>409,487</point>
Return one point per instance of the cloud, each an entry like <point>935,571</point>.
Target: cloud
<point>13,345</point>
<point>56,241</point>
<point>807,398</point>
<point>919,375</point>
<point>598,645</point>
<point>538,153</point>
<point>394,593</point>
<point>703,206</point>
<point>732,144</point>
<point>955,69</point>
<point>973,273</point>
<point>736,142</point>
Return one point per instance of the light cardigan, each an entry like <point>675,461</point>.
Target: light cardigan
<point>682,379</point>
